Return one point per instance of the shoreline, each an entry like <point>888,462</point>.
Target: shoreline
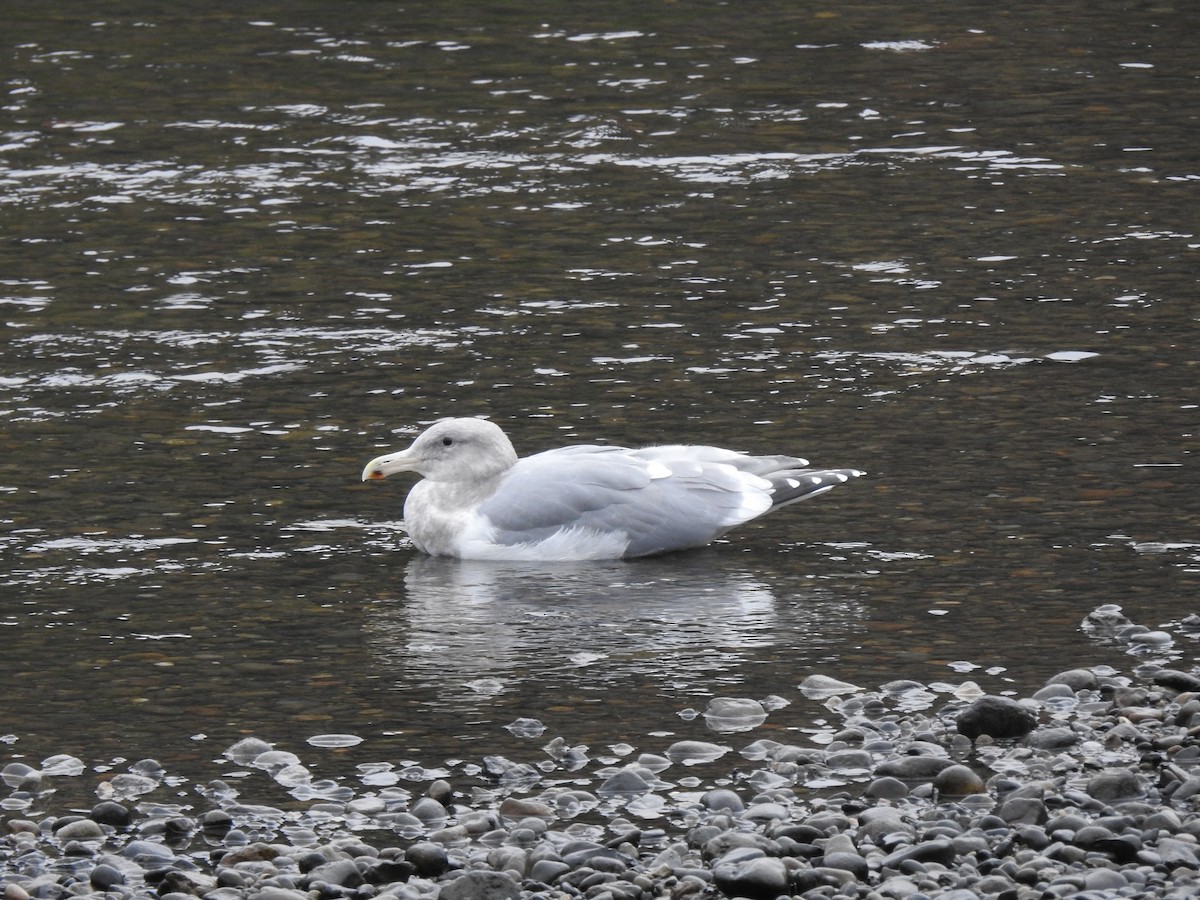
<point>1090,787</point>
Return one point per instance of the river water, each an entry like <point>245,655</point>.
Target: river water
<point>245,251</point>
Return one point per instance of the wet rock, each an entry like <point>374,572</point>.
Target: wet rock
<point>1052,738</point>
<point>722,799</point>
<point>1115,785</point>
<point>1175,852</point>
<point>627,781</point>
<point>844,856</point>
<point>342,872</point>
<point>997,717</point>
<point>429,811</point>
<point>105,877</point>
<point>256,852</point>
<point>919,823</point>
<point>111,813</point>
<point>1177,680</point>
<point>887,788</point>
<point>959,781</point>
<point>215,823</point>
<point>748,873</point>
<point>80,830</point>
<point>1024,811</point>
<point>1076,679</point>
<point>849,759</point>
<point>914,768</point>
<point>548,871</point>
<point>480,885</point>
<point>516,808</point>
<point>822,687</point>
<point>428,859</point>
<point>937,850</point>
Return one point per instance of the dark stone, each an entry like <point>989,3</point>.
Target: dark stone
<point>1177,680</point>
<point>755,877</point>
<point>105,877</point>
<point>110,813</point>
<point>997,717</point>
<point>428,859</point>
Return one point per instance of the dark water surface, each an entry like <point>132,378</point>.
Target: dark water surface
<point>242,252</point>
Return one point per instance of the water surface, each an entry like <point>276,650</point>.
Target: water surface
<point>243,253</point>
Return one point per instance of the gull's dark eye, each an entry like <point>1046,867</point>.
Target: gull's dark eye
<point>446,442</point>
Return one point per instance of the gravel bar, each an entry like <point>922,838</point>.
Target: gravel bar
<point>1089,788</point>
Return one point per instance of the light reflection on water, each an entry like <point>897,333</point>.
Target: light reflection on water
<point>945,245</point>
<point>684,621</point>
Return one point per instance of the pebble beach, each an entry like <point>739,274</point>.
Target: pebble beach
<point>1087,788</point>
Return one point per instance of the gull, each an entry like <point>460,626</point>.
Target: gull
<point>478,500</point>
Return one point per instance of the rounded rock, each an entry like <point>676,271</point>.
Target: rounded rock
<point>429,859</point>
<point>722,799</point>
<point>105,877</point>
<point>914,768</point>
<point>887,788</point>
<point>429,811</point>
<point>1076,679</point>
<point>756,878</point>
<point>1024,811</point>
<point>1115,785</point>
<point>959,781</point>
<point>997,717</point>
<point>848,862</point>
<point>111,813</point>
<point>481,885</point>
<point>548,871</point>
<point>80,830</point>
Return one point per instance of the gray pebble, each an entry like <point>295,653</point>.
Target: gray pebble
<point>913,821</point>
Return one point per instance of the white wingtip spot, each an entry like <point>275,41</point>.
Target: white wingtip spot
<point>815,479</point>
<point>843,478</point>
<point>792,482</point>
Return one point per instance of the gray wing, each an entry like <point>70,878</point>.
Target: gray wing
<point>659,499</point>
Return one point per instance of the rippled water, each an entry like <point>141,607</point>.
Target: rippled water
<point>242,253</point>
